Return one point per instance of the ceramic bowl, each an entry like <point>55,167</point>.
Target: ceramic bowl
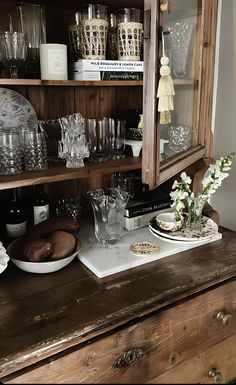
<point>167,221</point>
<point>39,267</point>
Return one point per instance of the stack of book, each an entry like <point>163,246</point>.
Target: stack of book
<point>107,70</point>
<point>139,212</point>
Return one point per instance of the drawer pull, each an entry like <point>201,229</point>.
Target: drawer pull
<point>217,376</point>
<point>224,317</point>
<point>129,357</point>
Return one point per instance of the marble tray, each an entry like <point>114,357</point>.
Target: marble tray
<point>106,260</point>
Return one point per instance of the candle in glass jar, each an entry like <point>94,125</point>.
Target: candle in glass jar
<point>53,62</point>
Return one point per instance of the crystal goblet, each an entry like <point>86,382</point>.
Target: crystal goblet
<point>13,51</point>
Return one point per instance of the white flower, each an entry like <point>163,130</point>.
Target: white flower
<point>212,180</point>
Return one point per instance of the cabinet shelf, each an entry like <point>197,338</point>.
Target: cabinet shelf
<point>71,83</point>
<point>58,172</point>
<point>82,83</point>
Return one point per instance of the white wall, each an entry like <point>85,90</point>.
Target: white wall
<point>224,113</point>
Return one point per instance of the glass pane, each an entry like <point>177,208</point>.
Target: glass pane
<point>182,46</point>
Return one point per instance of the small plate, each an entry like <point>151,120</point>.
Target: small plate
<point>40,267</point>
<point>176,242</point>
<point>209,229</point>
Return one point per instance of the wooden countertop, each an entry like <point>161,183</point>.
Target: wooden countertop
<point>44,314</point>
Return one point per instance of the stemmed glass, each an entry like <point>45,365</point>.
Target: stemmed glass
<point>13,51</point>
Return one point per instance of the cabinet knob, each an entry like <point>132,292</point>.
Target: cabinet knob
<point>224,317</point>
<point>165,7</point>
<point>217,376</point>
<point>129,357</point>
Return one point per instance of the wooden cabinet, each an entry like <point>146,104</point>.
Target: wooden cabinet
<point>193,99</point>
<point>181,344</point>
<point>171,321</point>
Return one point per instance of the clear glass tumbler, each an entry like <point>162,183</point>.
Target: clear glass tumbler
<point>116,138</point>
<point>35,151</point>
<point>97,131</point>
<point>10,154</point>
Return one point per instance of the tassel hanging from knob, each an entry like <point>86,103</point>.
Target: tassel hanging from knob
<point>165,91</point>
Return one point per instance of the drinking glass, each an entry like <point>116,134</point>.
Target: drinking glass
<point>35,151</point>
<point>129,34</point>
<point>69,207</point>
<point>116,138</point>
<point>94,27</point>
<point>74,37</point>
<point>97,132</point>
<point>13,51</point>
<point>10,154</point>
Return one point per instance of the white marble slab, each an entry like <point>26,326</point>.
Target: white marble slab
<point>111,259</point>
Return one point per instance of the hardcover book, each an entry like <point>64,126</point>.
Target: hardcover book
<point>106,75</point>
<point>107,65</point>
<point>139,221</point>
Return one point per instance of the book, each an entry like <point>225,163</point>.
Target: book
<point>107,65</point>
<point>147,201</point>
<point>139,221</point>
<point>146,207</point>
<point>106,75</point>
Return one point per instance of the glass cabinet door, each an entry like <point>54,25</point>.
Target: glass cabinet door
<point>189,28</point>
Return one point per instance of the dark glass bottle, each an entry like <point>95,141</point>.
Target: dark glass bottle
<point>40,203</point>
<point>15,216</point>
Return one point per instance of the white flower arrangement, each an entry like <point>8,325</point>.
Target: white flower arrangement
<point>212,180</point>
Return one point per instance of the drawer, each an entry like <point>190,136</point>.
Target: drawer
<point>215,365</point>
<point>162,343</point>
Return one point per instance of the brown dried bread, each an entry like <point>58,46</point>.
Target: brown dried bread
<point>63,244</point>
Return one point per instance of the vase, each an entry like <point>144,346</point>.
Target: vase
<point>196,203</point>
<point>180,43</point>
<point>108,210</point>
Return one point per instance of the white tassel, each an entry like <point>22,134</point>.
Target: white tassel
<point>165,91</point>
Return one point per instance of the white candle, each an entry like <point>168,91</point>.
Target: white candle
<point>53,61</point>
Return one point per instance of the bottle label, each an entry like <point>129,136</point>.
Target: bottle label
<point>41,213</point>
<point>16,230</point>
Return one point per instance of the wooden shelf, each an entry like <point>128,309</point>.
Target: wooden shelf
<point>71,83</point>
<point>84,83</point>
<point>58,172</point>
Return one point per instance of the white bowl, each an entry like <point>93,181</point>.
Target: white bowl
<point>167,221</point>
<point>4,258</point>
<point>40,267</point>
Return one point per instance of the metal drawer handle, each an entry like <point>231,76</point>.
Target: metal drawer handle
<point>217,376</point>
<point>129,357</point>
<point>224,317</point>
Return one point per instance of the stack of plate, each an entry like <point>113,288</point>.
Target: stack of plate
<point>185,235</point>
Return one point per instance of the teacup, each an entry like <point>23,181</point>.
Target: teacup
<point>168,222</point>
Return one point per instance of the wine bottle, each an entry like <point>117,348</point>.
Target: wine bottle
<point>15,216</point>
<point>40,204</point>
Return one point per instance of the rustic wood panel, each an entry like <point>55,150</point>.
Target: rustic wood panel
<point>56,313</point>
<point>169,339</point>
<point>195,371</point>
